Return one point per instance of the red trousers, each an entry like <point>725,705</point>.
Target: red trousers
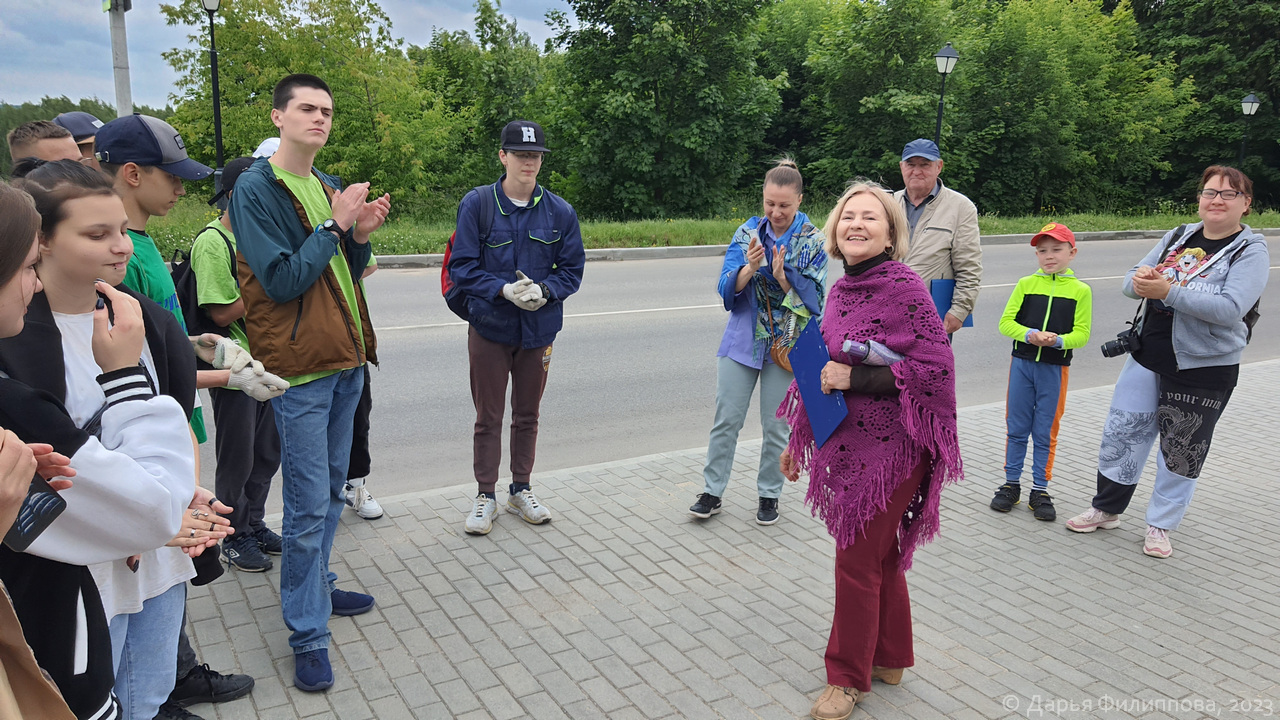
<point>491,365</point>
<point>872,624</point>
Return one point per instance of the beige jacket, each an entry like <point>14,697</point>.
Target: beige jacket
<point>945,244</point>
<point>26,693</point>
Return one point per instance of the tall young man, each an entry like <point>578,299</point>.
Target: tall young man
<point>515,279</point>
<point>83,128</point>
<point>303,242</point>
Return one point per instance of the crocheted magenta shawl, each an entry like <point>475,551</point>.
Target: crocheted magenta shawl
<point>853,475</point>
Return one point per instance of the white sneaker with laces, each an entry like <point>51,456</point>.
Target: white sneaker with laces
<point>1157,544</point>
<point>526,505</point>
<point>358,497</point>
<point>480,521</point>
<point>1093,519</point>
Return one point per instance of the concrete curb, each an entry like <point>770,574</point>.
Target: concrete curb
<point>435,260</point>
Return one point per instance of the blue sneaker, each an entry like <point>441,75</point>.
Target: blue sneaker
<point>311,670</point>
<point>347,603</point>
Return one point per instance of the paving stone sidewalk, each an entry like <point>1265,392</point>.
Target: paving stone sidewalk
<point>624,607</point>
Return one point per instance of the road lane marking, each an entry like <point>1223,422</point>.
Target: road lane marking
<point>460,323</point>
<point>573,315</point>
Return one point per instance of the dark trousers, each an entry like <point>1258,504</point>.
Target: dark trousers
<point>248,453</point>
<point>186,654</point>
<point>491,364</point>
<point>360,460</point>
<point>872,624</point>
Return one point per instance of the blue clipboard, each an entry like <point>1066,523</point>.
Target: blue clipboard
<point>942,290</point>
<point>808,357</point>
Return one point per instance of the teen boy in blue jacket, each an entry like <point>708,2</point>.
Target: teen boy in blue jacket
<point>515,280</point>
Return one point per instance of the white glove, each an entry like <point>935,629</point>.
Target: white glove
<point>513,291</point>
<point>257,383</point>
<point>870,353</point>
<point>532,299</point>
<point>228,355</point>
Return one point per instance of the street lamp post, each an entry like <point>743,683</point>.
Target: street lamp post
<point>211,7</point>
<point>946,59</point>
<point>1249,105</point>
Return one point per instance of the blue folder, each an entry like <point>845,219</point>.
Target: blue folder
<point>942,291</point>
<point>808,358</point>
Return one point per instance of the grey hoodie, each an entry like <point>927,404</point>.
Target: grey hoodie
<point>1208,310</point>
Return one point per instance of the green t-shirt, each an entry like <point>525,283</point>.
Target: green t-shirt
<point>148,274</point>
<point>310,193</point>
<point>215,283</point>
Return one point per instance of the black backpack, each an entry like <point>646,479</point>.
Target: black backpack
<point>184,281</point>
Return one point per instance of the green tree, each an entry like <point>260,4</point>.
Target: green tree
<point>662,104</point>
<point>1230,48</point>
<point>387,129</point>
<point>787,32</point>
<point>876,87</point>
<point>1061,108</point>
<point>11,116</point>
<point>488,81</point>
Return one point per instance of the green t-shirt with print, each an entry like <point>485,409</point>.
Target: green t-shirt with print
<point>310,192</point>
<point>215,282</point>
<point>148,274</point>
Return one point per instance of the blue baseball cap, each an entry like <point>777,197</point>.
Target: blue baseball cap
<point>81,125</point>
<point>149,142</point>
<point>923,148</point>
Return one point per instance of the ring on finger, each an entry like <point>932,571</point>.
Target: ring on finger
<point>193,532</point>
<point>210,527</point>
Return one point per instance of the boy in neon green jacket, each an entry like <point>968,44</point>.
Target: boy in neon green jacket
<point>1048,316</point>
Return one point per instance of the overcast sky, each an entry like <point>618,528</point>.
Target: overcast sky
<point>63,47</point>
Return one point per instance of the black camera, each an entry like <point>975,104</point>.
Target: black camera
<point>1125,342</point>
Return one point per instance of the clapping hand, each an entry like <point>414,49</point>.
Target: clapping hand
<point>755,255</point>
<point>1150,284</point>
<point>371,217</point>
<point>779,267</point>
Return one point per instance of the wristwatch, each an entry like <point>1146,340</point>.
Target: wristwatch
<point>332,226</point>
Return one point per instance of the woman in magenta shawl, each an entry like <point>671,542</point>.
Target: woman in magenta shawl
<point>877,480</point>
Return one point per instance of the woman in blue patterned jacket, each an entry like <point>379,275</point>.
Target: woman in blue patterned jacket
<point>773,282</point>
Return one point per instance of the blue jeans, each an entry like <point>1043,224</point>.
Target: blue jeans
<point>143,647</point>
<point>1033,406</point>
<point>314,420</point>
<point>735,383</point>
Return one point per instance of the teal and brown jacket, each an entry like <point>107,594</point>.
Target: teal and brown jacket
<point>1060,303</point>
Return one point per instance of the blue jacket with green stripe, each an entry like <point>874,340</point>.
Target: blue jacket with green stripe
<point>1060,303</point>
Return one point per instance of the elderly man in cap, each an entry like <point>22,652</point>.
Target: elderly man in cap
<point>944,242</point>
<point>84,129</point>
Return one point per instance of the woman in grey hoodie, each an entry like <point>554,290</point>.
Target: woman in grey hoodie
<point>1199,283</point>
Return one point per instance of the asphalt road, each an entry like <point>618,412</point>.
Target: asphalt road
<point>633,370</point>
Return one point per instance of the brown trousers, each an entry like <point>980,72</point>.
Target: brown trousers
<point>491,364</point>
<point>872,624</point>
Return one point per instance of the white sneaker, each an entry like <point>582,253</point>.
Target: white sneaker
<point>358,497</point>
<point>526,505</point>
<point>480,521</point>
<point>1157,544</point>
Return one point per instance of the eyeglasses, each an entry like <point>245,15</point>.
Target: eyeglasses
<point>1210,193</point>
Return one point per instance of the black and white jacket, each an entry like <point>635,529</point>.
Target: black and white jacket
<point>130,491</point>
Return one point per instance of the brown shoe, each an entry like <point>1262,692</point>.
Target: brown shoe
<point>888,676</point>
<point>835,703</point>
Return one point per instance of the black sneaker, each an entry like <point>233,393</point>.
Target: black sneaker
<point>1042,504</point>
<point>269,542</point>
<point>768,512</point>
<point>1006,497</point>
<point>706,506</point>
<point>173,711</point>
<point>243,553</point>
<point>203,685</point>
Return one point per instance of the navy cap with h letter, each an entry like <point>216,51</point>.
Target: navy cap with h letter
<point>149,142</point>
<point>523,135</point>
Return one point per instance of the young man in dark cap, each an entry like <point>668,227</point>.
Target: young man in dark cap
<point>83,128</point>
<point>516,257</point>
